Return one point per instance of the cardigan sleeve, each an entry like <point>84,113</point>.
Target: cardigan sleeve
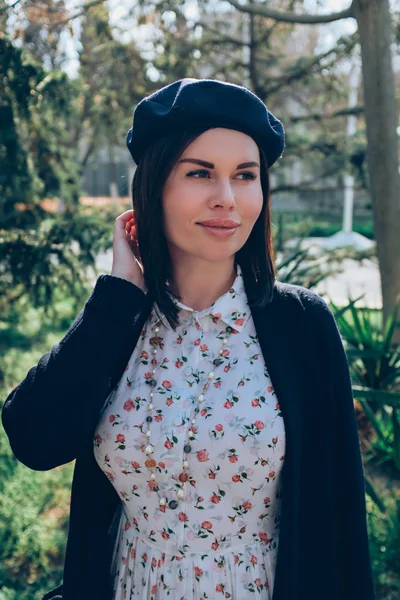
<point>50,415</point>
<point>354,571</point>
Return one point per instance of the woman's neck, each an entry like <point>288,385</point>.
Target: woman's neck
<point>199,289</point>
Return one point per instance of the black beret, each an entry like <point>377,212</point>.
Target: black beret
<point>208,102</point>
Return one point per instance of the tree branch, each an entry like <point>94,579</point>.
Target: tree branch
<point>288,17</point>
<point>355,110</point>
<point>9,6</point>
<point>80,12</point>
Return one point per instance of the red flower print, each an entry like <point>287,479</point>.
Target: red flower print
<point>271,473</point>
<point>226,368</point>
<point>196,342</point>
<point>217,315</point>
<point>217,384</point>
<point>277,406</point>
<point>239,321</point>
<point>161,465</point>
<point>168,444</point>
<point>247,505</point>
<point>219,587</point>
<point>259,425</point>
<point>128,405</point>
<point>257,582</point>
<point>165,535</point>
<point>182,517</point>
<point>135,464</point>
<point>133,553</point>
<point>169,401</point>
<point>255,356</point>
<point>144,556</point>
<point>200,499</point>
<point>203,412</point>
<point>148,375</point>
<point>235,478</point>
<point>203,347</point>
<point>198,572</point>
<point>206,525</point>
<point>255,402</point>
<point>167,384</point>
<point>215,499</point>
<point>98,438</point>
<point>270,389</point>
<point>158,418</point>
<point>274,440</point>
<point>215,545</point>
<point>202,455</point>
<point>106,458</point>
<point>233,458</point>
<point>219,427</point>
<point>154,589</point>
<point>241,384</point>
<point>253,559</point>
<point>211,475</point>
<point>145,354</point>
<point>263,537</point>
<point>226,352</point>
<point>178,364</point>
<point>127,526</point>
<point>267,500</point>
<point>120,438</point>
<point>236,558</point>
<point>154,562</point>
<point>111,418</point>
<point>228,404</point>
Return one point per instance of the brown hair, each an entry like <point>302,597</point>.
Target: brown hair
<point>255,257</point>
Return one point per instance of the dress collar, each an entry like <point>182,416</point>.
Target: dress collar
<point>232,307</point>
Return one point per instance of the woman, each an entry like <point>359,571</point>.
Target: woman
<point>208,406</point>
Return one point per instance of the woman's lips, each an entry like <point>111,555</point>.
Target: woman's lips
<point>222,232</point>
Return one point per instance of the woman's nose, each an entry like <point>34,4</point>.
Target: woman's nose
<point>224,193</point>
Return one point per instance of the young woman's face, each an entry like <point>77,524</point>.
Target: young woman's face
<point>223,188</point>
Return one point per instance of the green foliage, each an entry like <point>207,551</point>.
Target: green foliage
<point>36,109</point>
<point>384,535</point>
<point>34,506</point>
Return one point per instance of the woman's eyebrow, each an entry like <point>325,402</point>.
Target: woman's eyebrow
<point>209,165</point>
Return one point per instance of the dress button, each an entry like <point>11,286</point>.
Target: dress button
<point>187,448</point>
<point>173,504</point>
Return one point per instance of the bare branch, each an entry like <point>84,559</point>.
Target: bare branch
<point>9,6</point>
<point>80,12</point>
<point>290,17</point>
<point>344,112</point>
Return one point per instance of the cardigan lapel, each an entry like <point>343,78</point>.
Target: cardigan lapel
<point>280,333</point>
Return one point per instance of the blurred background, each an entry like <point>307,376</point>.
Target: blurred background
<point>71,74</point>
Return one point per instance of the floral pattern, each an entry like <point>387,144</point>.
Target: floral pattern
<point>222,539</point>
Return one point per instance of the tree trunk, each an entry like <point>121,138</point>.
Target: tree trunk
<point>375,30</point>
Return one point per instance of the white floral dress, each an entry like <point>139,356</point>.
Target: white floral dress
<point>222,539</point>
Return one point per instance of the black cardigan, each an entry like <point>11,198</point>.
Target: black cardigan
<point>51,415</point>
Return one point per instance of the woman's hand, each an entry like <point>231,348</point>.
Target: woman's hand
<point>126,255</point>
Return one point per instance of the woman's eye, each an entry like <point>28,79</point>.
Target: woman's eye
<point>196,172</point>
<point>249,175</point>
